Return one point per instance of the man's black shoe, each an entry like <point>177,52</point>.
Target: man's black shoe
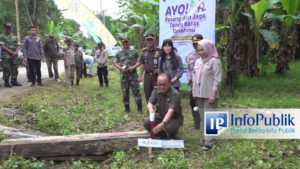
<point>140,108</point>
<point>15,83</point>
<point>7,84</point>
<point>127,108</point>
<point>41,84</point>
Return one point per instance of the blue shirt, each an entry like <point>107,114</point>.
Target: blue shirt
<point>88,59</point>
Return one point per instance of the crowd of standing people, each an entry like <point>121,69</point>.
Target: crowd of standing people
<point>160,71</point>
<point>33,51</point>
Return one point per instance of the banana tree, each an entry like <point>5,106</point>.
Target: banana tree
<point>54,30</point>
<point>288,35</point>
<point>256,14</point>
<point>237,41</point>
<point>137,19</point>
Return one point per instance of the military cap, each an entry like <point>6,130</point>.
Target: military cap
<point>124,39</point>
<point>197,38</point>
<point>68,39</point>
<point>7,25</point>
<point>150,36</point>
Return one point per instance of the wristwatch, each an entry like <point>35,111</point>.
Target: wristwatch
<point>165,124</point>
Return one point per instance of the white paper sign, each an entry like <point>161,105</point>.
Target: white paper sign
<point>160,143</point>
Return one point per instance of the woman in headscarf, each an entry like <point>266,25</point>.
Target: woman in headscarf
<point>170,63</point>
<point>206,82</point>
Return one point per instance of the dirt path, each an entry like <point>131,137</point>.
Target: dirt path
<point>7,93</point>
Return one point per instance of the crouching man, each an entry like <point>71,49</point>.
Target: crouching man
<point>168,116</point>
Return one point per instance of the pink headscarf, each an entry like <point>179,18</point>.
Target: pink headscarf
<point>211,51</point>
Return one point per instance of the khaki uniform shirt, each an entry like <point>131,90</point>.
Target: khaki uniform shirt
<point>164,102</point>
<point>210,79</point>
<point>190,63</point>
<point>100,57</point>
<point>70,55</point>
<point>10,41</point>
<point>150,59</point>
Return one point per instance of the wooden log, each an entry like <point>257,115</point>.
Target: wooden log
<point>70,158</point>
<point>14,133</point>
<point>76,145</point>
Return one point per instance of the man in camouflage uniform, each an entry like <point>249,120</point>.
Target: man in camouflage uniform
<point>69,60</point>
<point>127,60</point>
<point>78,62</point>
<point>190,62</point>
<point>168,116</point>
<point>149,64</point>
<point>10,60</point>
<point>1,58</point>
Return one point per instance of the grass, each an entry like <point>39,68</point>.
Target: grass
<point>21,163</point>
<point>57,110</point>
<point>86,108</point>
<point>271,91</point>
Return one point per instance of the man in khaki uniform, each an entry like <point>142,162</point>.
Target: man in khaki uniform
<point>168,116</point>
<point>101,60</point>
<point>190,62</point>
<point>69,60</point>
<point>149,64</point>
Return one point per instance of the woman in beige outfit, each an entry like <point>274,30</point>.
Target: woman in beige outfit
<point>206,82</point>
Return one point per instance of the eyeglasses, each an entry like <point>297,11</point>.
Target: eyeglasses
<point>162,84</point>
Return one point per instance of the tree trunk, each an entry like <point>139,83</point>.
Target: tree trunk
<point>297,55</point>
<point>240,52</point>
<point>287,50</point>
<point>295,43</point>
<point>32,11</point>
<point>247,53</point>
<point>18,21</point>
<point>232,62</point>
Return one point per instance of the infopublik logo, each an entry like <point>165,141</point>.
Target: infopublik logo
<point>215,123</point>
